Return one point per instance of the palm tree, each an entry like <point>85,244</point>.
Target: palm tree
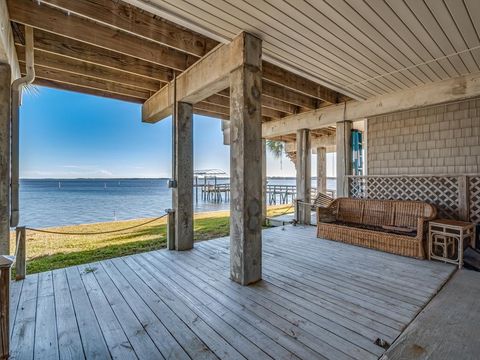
<point>276,148</point>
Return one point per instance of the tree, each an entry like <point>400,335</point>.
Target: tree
<point>276,148</point>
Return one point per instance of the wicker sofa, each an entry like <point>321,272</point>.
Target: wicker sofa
<point>392,226</point>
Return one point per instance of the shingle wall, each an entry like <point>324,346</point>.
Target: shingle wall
<point>444,139</point>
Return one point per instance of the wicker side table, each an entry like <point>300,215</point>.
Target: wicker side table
<point>450,237</point>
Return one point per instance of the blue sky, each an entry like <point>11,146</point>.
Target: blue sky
<point>69,135</point>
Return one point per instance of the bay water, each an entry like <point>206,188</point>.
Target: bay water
<point>59,202</point>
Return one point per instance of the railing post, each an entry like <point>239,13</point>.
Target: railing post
<point>21,253</point>
<point>5,270</point>
<point>170,229</point>
<point>463,198</point>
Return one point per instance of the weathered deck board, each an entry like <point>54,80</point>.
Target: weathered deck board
<point>46,339</point>
<point>69,340</point>
<point>93,342</point>
<point>23,333</point>
<point>318,300</point>
<point>448,327</point>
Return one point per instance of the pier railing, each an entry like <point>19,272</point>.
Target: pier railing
<point>277,194</point>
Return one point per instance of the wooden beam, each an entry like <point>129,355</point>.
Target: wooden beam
<point>128,18</point>
<point>218,100</point>
<point>455,89</point>
<point>212,108</point>
<point>7,48</point>
<point>57,21</point>
<point>267,102</point>
<point>60,45</point>
<point>289,96</point>
<point>88,82</point>
<point>205,78</point>
<point>85,90</point>
<point>279,105</point>
<point>315,142</point>
<point>222,105</point>
<point>210,114</point>
<point>282,77</point>
<point>58,62</point>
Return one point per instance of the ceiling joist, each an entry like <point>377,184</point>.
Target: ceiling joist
<point>47,18</point>
<point>120,15</point>
<point>58,62</point>
<point>85,90</point>
<point>88,82</point>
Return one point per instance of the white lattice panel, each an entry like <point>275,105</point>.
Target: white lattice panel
<point>474,193</point>
<point>439,191</point>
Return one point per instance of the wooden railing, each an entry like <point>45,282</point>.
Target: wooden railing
<point>455,196</point>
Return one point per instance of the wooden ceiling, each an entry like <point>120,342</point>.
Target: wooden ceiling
<point>361,48</point>
<point>113,49</point>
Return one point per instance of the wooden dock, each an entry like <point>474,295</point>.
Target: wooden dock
<point>276,194</point>
<point>318,300</point>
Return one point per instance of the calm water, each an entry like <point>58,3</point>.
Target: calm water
<point>46,203</point>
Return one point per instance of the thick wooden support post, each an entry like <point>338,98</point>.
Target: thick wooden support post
<point>5,136</point>
<point>21,253</point>
<point>264,181</point>
<point>183,193</point>
<point>246,166</point>
<point>344,156</point>
<point>5,266</point>
<point>321,170</point>
<point>304,175</point>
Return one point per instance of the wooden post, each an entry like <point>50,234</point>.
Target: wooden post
<point>321,170</point>
<point>196,189</point>
<point>21,253</point>
<point>264,181</point>
<point>5,136</point>
<point>246,165</point>
<point>183,192</point>
<point>344,156</point>
<point>170,229</point>
<point>5,270</point>
<point>463,198</point>
<point>304,175</point>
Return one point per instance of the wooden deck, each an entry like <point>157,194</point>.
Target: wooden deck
<point>319,300</point>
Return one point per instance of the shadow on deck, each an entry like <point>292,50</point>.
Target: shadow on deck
<point>318,299</point>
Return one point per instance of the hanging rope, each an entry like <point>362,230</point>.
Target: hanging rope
<point>98,232</point>
<point>286,211</point>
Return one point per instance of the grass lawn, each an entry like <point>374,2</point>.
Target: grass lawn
<point>48,251</point>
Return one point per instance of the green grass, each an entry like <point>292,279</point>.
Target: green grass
<point>48,251</point>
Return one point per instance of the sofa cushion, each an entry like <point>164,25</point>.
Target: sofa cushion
<point>386,229</point>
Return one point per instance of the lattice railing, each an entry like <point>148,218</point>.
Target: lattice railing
<point>474,198</point>
<point>456,197</point>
